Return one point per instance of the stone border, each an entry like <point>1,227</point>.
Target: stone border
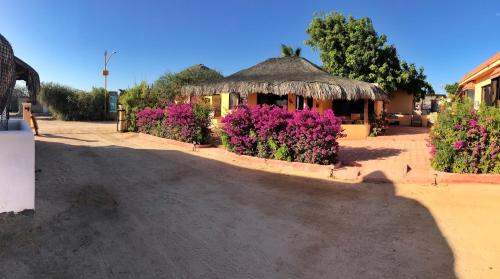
<point>446,177</point>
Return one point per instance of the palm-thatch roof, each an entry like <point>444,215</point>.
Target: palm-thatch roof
<point>285,75</point>
<point>30,76</point>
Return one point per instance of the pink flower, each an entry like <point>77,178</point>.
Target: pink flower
<point>459,144</point>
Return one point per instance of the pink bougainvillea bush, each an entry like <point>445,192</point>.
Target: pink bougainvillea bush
<point>465,139</point>
<point>272,132</point>
<point>183,122</point>
<point>149,120</point>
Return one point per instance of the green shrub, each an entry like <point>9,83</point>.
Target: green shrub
<point>67,103</point>
<point>135,99</point>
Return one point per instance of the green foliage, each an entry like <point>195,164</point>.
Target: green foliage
<point>18,92</point>
<point>279,152</point>
<point>352,48</point>
<point>451,89</point>
<point>413,80</point>
<point>465,140</point>
<point>168,86</point>
<point>135,99</point>
<point>203,119</point>
<point>67,103</point>
<point>288,51</point>
<point>378,125</point>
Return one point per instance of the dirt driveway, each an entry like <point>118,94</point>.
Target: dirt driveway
<point>112,205</point>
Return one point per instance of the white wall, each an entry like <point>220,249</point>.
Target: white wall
<point>17,167</point>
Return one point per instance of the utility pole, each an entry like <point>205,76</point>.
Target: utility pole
<point>105,73</point>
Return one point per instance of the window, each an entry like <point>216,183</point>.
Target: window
<point>495,91</point>
<point>272,100</point>
<point>470,94</point>
<point>309,102</point>
<point>486,95</point>
<point>234,100</point>
<point>299,101</point>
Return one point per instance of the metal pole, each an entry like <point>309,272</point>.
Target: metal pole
<point>105,85</point>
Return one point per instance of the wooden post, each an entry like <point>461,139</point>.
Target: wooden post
<point>366,122</point>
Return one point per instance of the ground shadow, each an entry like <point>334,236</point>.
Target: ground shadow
<point>144,213</point>
<point>349,154</point>
<point>52,136</point>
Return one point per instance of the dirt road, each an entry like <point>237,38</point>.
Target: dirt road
<point>112,205</point>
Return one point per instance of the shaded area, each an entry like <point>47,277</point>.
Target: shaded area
<point>351,154</point>
<point>128,213</point>
<point>52,136</point>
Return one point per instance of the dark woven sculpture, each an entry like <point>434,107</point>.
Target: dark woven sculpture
<point>12,69</point>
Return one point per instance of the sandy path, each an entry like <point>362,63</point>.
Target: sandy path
<point>114,206</point>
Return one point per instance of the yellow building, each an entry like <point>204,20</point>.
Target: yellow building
<point>296,83</point>
<point>482,83</point>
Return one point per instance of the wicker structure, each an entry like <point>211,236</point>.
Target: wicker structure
<point>12,69</point>
<point>285,75</point>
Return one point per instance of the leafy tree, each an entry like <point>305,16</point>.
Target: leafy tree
<point>413,80</point>
<point>352,48</point>
<point>288,51</point>
<point>168,86</point>
<point>451,89</point>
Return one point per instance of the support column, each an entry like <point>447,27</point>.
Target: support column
<point>366,120</point>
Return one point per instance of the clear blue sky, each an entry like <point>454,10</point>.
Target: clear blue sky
<point>65,40</point>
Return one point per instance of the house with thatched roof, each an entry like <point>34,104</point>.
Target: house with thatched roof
<point>295,83</point>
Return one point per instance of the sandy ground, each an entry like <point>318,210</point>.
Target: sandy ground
<point>112,205</point>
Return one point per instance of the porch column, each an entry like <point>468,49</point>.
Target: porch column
<point>365,118</point>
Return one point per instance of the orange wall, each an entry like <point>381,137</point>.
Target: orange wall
<point>322,105</point>
<point>356,131</point>
<point>401,102</point>
<point>252,100</point>
<point>291,102</point>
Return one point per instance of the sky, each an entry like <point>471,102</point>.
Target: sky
<point>65,40</point>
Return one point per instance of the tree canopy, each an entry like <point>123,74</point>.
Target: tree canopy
<point>352,48</point>
<point>451,89</point>
<point>168,86</point>
<point>288,51</point>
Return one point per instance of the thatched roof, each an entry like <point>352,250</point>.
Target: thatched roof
<point>285,75</point>
<point>30,76</point>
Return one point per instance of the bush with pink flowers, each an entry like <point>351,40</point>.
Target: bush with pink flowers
<point>465,139</point>
<point>183,122</point>
<point>272,132</point>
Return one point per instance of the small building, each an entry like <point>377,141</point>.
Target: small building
<point>401,107</point>
<point>296,83</point>
<point>482,84</point>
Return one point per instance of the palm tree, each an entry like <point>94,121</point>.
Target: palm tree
<point>288,51</point>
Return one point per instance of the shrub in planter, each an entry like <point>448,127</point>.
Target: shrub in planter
<point>466,140</point>
<point>273,132</point>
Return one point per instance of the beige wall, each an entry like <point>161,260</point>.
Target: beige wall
<point>477,91</point>
<point>401,102</point>
<point>224,104</point>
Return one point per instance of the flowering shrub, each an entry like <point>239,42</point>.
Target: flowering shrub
<point>273,132</point>
<point>184,122</point>
<point>149,120</point>
<point>466,140</point>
